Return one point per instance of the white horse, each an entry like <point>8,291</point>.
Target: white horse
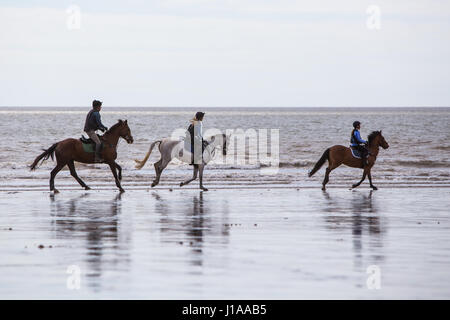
<point>170,149</point>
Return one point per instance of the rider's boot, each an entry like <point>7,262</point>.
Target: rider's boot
<point>365,159</point>
<point>98,153</point>
<point>365,156</point>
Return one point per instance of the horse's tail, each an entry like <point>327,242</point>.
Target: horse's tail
<point>141,163</point>
<point>44,156</point>
<point>320,163</point>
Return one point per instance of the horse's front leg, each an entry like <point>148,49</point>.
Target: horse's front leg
<point>362,179</point>
<point>326,178</point>
<point>200,169</point>
<point>112,166</point>
<point>193,177</point>
<point>369,175</point>
<point>119,169</point>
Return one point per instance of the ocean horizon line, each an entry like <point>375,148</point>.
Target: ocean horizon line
<point>249,107</point>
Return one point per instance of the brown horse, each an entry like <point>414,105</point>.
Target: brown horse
<point>338,155</point>
<point>70,150</point>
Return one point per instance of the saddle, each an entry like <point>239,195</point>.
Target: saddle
<point>85,140</point>
<point>204,145</point>
<point>356,153</point>
<point>89,144</point>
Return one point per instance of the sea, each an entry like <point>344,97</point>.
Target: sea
<point>419,140</point>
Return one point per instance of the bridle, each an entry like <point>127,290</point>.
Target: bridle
<point>213,151</point>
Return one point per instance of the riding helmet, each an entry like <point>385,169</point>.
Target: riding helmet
<point>96,103</point>
<point>356,123</point>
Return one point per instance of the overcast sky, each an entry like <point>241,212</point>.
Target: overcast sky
<point>225,53</point>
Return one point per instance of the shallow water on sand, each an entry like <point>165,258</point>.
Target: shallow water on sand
<point>230,243</point>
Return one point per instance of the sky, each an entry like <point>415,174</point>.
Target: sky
<point>279,53</point>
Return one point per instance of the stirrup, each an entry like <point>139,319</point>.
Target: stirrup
<point>98,159</point>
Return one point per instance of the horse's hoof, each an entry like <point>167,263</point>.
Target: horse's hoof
<point>374,188</point>
<point>121,190</point>
<point>204,189</point>
<point>87,188</point>
<point>323,188</point>
<point>153,184</point>
<point>181,184</point>
<point>354,186</point>
<point>55,191</point>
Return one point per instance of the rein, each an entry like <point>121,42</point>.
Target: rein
<point>213,151</point>
<point>377,147</point>
<point>108,143</point>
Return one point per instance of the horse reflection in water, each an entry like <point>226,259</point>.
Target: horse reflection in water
<point>363,223</point>
<point>96,222</point>
<point>195,226</point>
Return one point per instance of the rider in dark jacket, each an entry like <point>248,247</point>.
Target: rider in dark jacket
<point>93,123</point>
<point>358,143</point>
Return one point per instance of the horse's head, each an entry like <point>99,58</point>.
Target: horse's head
<point>377,138</point>
<point>220,140</point>
<point>124,131</point>
<point>226,139</point>
<point>383,142</point>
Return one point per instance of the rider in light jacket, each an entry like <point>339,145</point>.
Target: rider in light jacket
<point>194,138</point>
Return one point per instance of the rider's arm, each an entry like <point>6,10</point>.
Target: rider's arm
<point>198,130</point>
<point>99,121</point>
<point>358,137</point>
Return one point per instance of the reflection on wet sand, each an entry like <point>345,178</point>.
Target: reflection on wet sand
<point>98,223</point>
<point>196,225</point>
<point>363,220</point>
<point>245,243</point>
<point>196,222</point>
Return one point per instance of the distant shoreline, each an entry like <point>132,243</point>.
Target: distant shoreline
<point>223,111</point>
<point>359,108</point>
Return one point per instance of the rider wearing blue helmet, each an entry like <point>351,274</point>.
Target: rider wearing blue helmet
<point>357,142</point>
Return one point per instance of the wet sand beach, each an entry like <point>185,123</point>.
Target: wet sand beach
<point>255,243</point>
<point>252,235</point>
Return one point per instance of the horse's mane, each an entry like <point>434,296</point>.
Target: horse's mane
<point>373,135</point>
<point>212,138</point>
<point>115,126</point>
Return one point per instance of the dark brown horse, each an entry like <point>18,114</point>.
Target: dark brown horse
<point>338,155</point>
<point>70,150</point>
